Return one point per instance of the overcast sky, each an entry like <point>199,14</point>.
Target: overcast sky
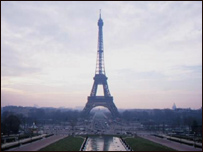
<point>152,53</point>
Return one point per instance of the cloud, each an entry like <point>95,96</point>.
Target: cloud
<point>50,47</point>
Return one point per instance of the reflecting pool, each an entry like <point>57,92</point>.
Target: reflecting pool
<point>104,143</point>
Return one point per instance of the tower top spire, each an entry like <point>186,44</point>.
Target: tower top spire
<point>100,21</point>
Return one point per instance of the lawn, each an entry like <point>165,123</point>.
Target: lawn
<point>140,144</point>
<point>69,143</point>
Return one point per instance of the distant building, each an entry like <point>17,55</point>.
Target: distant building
<point>34,128</point>
<point>174,107</point>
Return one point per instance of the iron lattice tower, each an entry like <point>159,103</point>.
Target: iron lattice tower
<point>100,79</point>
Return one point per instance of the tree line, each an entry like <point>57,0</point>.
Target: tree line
<point>12,117</point>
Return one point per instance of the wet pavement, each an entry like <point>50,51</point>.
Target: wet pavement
<point>171,144</point>
<point>35,146</point>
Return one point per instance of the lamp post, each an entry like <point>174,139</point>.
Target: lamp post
<point>86,128</point>
<point>121,126</point>
<point>194,139</point>
<point>18,138</point>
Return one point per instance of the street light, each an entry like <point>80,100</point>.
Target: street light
<point>194,139</point>
<point>18,138</point>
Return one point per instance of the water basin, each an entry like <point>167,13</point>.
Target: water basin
<point>104,143</point>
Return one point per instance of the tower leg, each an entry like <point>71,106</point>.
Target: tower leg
<point>106,102</point>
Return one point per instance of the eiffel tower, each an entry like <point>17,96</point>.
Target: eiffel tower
<point>100,79</point>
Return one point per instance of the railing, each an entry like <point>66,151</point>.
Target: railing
<point>180,140</point>
<point>22,141</point>
<point>100,98</point>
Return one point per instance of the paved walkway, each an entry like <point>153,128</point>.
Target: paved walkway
<point>171,144</point>
<point>35,146</point>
